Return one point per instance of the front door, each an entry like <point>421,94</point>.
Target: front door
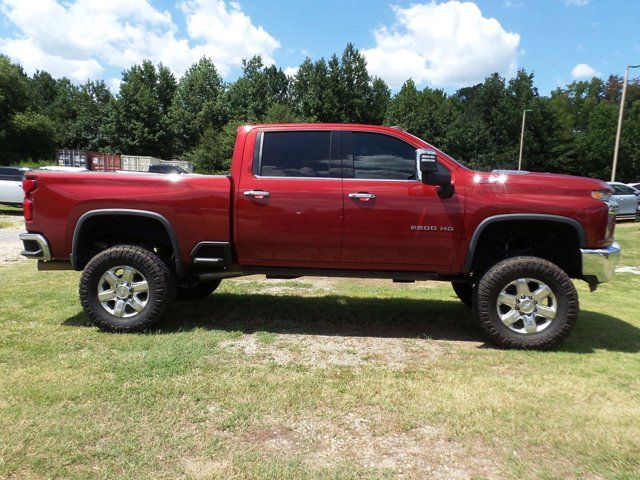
<point>391,218</point>
<point>290,204</point>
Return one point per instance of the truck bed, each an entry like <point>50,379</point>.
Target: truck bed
<point>196,206</point>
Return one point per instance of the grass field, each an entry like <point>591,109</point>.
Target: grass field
<point>315,378</point>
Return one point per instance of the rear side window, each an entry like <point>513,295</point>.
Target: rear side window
<point>623,190</point>
<point>11,174</point>
<point>378,156</point>
<point>295,154</point>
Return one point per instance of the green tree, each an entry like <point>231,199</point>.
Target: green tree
<point>197,105</point>
<point>33,136</point>
<point>355,92</point>
<point>90,128</point>
<point>141,121</point>
<point>256,90</point>
<point>14,98</point>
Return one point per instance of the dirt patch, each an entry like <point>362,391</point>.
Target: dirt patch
<point>635,270</point>
<point>10,245</point>
<point>204,468</point>
<point>353,351</point>
<point>420,452</point>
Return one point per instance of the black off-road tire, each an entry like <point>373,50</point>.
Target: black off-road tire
<point>488,289</point>
<point>161,288</point>
<point>197,290</point>
<point>464,291</point>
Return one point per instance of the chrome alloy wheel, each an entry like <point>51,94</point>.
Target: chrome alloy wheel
<point>123,291</point>
<point>527,306</point>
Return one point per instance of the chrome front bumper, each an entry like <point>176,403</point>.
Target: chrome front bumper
<point>600,263</point>
<point>35,246</point>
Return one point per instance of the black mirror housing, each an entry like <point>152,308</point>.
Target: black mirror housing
<point>443,180</point>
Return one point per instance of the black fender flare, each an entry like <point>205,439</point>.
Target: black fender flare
<point>180,267</point>
<point>582,237</point>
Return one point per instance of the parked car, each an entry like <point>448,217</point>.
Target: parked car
<point>164,168</point>
<point>329,200</point>
<point>628,199</point>
<point>11,185</point>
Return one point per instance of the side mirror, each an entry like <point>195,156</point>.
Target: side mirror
<point>432,175</point>
<point>427,160</point>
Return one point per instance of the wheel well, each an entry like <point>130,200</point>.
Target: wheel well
<point>100,232</point>
<point>554,241</point>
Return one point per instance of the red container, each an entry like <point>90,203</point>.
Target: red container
<point>104,162</point>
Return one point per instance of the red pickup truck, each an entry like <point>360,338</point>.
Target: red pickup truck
<point>330,200</point>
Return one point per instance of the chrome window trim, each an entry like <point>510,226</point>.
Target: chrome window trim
<point>409,180</point>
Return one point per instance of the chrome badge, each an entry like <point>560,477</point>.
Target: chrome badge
<point>431,228</point>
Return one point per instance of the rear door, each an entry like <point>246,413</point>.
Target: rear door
<point>626,198</point>
<point>392,218</point>
<point>290,203</point>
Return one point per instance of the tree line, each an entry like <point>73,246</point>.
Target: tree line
<point>572,130</point>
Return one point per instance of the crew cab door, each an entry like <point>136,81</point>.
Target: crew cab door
<point>392,218</point>
<point>289,200</point>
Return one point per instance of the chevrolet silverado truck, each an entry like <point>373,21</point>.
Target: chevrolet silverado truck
<point>329,200</point>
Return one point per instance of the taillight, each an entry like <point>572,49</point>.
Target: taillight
<point>27,209</point>
<point>28,185</point>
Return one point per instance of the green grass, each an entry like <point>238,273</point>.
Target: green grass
<point>248,384</point>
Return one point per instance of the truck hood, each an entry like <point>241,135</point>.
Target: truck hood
<point>508,181</point>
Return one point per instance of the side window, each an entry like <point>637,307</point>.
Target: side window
<point>379,156</point>
<point>623,190</point>
<point>11,174</point>
<point>295,154</point>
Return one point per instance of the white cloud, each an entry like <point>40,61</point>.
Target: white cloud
<point>80,39</point>
<point>582,70</point>
<point>577,3</point>
<point>225,33</point>
<point>446,44</point>
<point>291,71</point>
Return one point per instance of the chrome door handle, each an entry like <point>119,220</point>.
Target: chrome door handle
<point>363,196</point>
<point>256,193</point>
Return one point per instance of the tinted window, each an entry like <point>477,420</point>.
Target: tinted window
<point>11,174</point>
<point>296,154</point>
<point>623,190</point>
<point>383,157</point>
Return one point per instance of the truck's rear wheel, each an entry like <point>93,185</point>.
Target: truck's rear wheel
<point>126,289</point>
<point>464,291</point>
<point>197,290</point>
<point>526,302</point>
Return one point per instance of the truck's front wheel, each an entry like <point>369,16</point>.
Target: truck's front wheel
<point>526,302</point>
<point>126,289</point>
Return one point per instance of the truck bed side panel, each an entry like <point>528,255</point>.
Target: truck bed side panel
<point>197,207</point>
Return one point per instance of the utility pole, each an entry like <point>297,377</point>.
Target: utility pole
<point>524,118</point>
<point>620,117</point>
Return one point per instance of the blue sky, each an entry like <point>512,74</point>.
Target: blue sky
<point>445,44</point>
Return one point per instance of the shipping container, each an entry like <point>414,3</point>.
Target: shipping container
<point>99,162</point>
<point>104,162</point>
<point>138,163</point>
<point>72,158</point>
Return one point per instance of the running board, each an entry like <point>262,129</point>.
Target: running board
<point>208,261</point>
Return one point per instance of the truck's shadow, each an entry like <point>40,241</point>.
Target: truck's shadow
<point>368,317</point>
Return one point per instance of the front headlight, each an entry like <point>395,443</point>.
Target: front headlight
<point>604,195</point>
